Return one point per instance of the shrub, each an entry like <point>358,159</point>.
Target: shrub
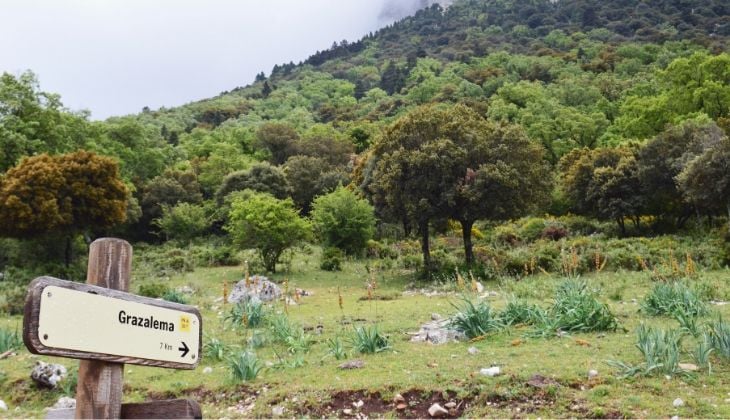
<point>9,340</point>
<point>506,234</point>
<point>377,249</point>
<point>475,319</point>
<point>531,228</point>
<point>153,290</point>
<point>343,220</point>
<point>185,221</point>
<point>12,299</point>
<point>671,299</point>
<point>554,232</point>
<point>267,224</point>
<point>245,366</point>
<point>247,313</point>
<point>216,256</point>
<point>369,340</point>
<point>331,259</point>
<point>215,349</point>
<point>443,263</point>
<point>175,296</point>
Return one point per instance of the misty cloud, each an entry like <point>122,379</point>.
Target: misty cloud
<point>114,57</point>
<point>394,10</point>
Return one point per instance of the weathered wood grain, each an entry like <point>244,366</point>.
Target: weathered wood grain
<point>167,409</point>
<point>99,389</point>
<point>31,324</point>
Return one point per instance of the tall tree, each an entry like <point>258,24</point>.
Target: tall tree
<point>662,159</point>
<point>505,176</point>
<point>68,194</point>
<point>705,180</point>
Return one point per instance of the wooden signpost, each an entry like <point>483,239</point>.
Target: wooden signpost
<point>106,327</point>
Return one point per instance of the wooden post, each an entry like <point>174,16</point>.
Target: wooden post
<point>99,389</point>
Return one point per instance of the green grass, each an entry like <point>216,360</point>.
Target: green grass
<point>303,366</point>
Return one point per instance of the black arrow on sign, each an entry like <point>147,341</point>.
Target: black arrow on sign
<point>184,349</point>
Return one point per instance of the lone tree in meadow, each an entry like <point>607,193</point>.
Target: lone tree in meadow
<point>505,177</point>
<point>268,225</point>
<point>344,221</point>
<point>66,194</point>
<point>439,162</point>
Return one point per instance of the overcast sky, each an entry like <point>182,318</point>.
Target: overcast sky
<point>113,57</point>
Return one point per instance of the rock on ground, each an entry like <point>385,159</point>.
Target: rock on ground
<point>65,402</point>
<point>48,374</point>
<point>259,287</point>
<point>678,402</point>
<point>3,406</point>
<point>492,371</point>
<point>592,373</point>
<point>352,364</point>
<point>437,411</point>
<point>437,332</point>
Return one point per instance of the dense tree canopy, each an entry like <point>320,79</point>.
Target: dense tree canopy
<point>268,225</point>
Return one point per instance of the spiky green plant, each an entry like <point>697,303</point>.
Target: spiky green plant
<point>247,313</point>
<point>336,348</point>
<point>369,340</point>
<point>245,366</point>
<point>660,349</point>
<point>720,337</point>
<point>475,319</point>
<point>672,298</point>
<point>291,335</point>
<point>701,353</point>
<point>9,340</point>
<point>575,309</point>
<point>519,311</point>
<point>215,349</point>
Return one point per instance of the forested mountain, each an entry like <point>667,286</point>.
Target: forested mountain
<point>571,74</point>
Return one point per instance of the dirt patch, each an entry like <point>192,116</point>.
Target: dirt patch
<point>539,381</point>
<point>350,404</point>
<point>202,394</point>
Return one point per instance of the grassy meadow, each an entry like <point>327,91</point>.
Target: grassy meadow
<point>307,382</point>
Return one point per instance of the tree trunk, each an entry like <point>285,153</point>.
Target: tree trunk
<point>406,227</point>
<point>68,252</point>
<point>621,225</point>
<point>466,226</point>
<point>423,228</point>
